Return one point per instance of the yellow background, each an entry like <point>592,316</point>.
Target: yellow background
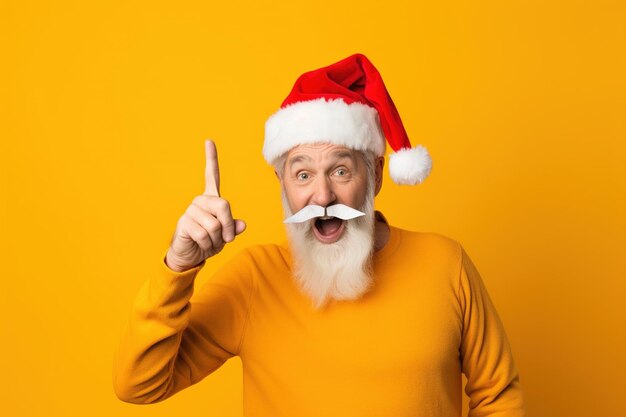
<point>104,108</point>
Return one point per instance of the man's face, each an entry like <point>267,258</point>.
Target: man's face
<point>324,175</point>
<point>332,257</point>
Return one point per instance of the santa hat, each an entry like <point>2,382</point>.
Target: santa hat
<point>346,104</point>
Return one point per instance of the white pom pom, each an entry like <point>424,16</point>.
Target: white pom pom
<point>410,166</point>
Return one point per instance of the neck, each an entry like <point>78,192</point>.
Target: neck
<point>381,231</point>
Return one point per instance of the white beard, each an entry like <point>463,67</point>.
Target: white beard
<point>334,271</point>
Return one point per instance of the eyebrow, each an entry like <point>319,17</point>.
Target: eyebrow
<point>337,155</point>
<point>299,158</point>
<point>344,154</point>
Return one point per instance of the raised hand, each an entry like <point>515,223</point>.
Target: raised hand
<point>207,224</point>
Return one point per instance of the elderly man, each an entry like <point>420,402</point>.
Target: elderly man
<point>353,317</point>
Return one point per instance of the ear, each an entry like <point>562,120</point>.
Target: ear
<point>380,164</point>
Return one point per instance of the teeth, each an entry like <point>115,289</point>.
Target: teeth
<point>326,217</point>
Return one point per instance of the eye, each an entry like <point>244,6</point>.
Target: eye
<point>302,176</point>
<point>341,172</point>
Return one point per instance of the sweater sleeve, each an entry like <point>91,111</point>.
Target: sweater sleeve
<point>172,340</point>
<point>492,378</point>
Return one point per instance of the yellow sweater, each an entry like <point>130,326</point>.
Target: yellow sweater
<point>398,351</point>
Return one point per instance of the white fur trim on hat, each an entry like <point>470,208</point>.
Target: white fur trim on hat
<point>410,165</point>
<point>355,126</point>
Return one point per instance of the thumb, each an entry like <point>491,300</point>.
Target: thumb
<point>240,226</point>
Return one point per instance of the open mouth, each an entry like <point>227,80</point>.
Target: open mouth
<point>328,229</point>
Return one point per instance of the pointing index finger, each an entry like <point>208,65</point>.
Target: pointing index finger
<point>212,170</point>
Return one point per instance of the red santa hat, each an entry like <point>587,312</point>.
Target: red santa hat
<point>346,104</point>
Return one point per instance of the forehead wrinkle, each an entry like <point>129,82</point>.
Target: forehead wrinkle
<point>333,156</point>
<point>299,158</point>
<point>344,154</point>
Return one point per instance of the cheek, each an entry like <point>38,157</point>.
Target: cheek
<point>352,196</point>
<point>295,197</point>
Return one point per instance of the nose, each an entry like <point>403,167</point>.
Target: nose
<point>323,194</point>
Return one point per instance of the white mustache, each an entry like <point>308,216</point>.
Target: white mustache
<point>338,210</point>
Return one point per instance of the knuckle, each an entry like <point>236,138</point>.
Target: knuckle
<point>200,200</point>
<point>223,204</point>
<point>182,223</point>
<point>198,234</point>
<point>191,209</point>
<point>214,227</point>
<point>205,245</point>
